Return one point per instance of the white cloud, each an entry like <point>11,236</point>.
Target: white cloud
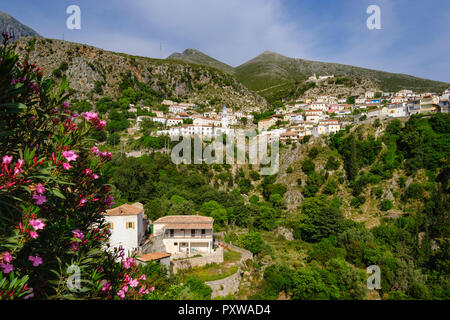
<point>232,31</point>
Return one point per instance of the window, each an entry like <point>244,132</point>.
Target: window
<point>129,225</point>
<point>175,244</point>
<point>192,233</point>
<point>203,232</point>
<point>171,233</point>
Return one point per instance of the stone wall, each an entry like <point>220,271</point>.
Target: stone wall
<point>224,287</point>
<point>154,244</point>
<point>206,258</point>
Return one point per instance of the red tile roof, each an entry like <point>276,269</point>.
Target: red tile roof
<point>153,256</point>
<point>124,210</point>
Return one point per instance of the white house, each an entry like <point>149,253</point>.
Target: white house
<point>185,234</point>
<point>203,121</point>
<point>397,111</point>
<point>127,227</point>
<point>174,121</point>
<point>319,106</point>
<point>177,109</point>
<point>159,120</point>
<point>370,95</point>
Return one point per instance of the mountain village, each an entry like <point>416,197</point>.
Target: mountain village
<point>310,117</point>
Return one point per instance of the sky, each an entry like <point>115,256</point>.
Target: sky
<point>414,37</point>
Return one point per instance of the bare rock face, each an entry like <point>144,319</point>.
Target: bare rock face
<point>14,28</point>
<point>87,67</point>
<point>286,233</point>
<point>389,195</point>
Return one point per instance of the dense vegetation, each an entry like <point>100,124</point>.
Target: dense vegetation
<point>412,250</point>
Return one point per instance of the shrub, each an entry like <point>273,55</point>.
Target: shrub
<point>52,195</point>
<point>252,242</point>
<point>386,205</point>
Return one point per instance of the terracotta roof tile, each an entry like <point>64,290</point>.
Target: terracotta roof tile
<point>124,210</point>
<point>185,220</point>
<point>153,256</point>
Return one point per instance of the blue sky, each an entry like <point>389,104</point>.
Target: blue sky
<point>414,39</point>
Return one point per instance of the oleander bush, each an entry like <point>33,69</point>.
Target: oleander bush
<point>52,195</point>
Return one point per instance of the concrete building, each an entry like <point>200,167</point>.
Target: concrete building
<point>127,226</point>
<point>161,257</point>
<point>185,234</point>
<point>266,124</point>
<point>174,122</point>
<point>429,104</point>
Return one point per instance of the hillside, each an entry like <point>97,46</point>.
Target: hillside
<point>270,73</point>
<point>95,73</point>
<point>277,77</point>
<point>14,28</point>
<point>195,56</point>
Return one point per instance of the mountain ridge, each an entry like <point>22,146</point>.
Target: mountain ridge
<point>15,28</point>
<point>198,57</point>
<point>271,69</point>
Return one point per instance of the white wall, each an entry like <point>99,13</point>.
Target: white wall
<point>129,239</point>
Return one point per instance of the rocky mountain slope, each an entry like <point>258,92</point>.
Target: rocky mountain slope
<point>195,56</point>
<point>14,28</point>
<point>276,77</point>
<point>94,73</point>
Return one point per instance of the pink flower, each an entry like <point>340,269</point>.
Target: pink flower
<point>94,150</point>
<point>128,263</point>
<point>37,224</point>
<point>78,234</point>
<point>66,166</point>
<point>75,246</point>
<point>7,257</point>
<point>88,171</point>
<point>36,260</point>
<point>106,286</point>
<point>40,188</point>
<point>133,283</point>
<point>39,199</point>
<point>66,105</point>
<point>70,155</point>
<point>121,294</point>
<point>90,116</point>
<point>95,176</point>
<point>33,234</point>
<point>101,125</point>
<point>143,277</point>
<point>83,201</point>
<point>7,268</point>
<point>109,201</point>
<point>7,159</point>
<point>20,163</point>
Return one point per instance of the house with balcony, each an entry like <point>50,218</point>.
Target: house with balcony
<point>185,234</point>
<point>429,104</point>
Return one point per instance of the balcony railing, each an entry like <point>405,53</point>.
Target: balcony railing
<point>168,236</point>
